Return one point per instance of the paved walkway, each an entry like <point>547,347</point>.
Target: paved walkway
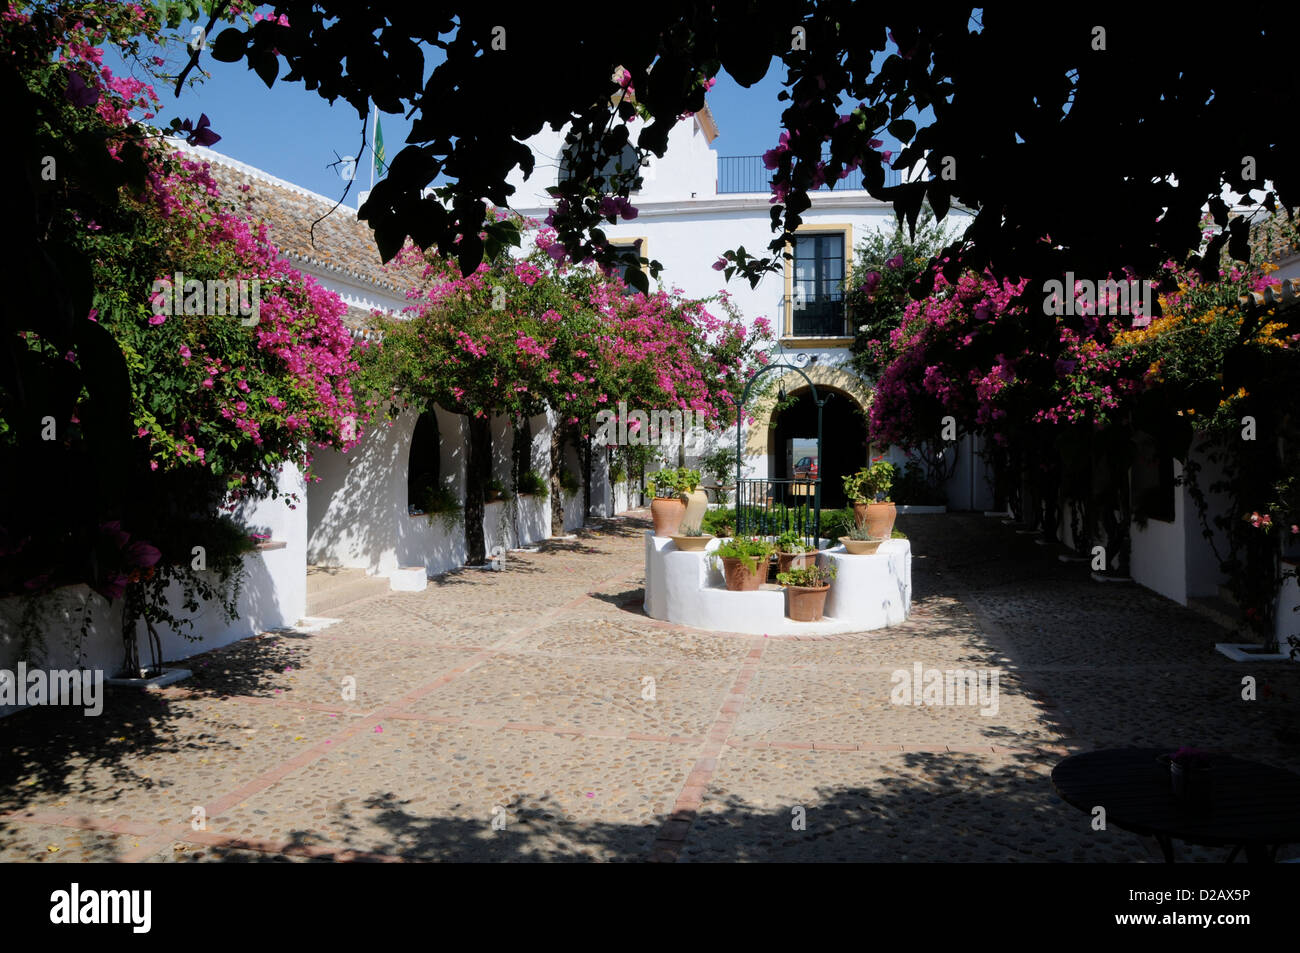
<point>540,701</point>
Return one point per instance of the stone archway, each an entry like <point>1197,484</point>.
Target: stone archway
<point>844,447</point>
<point>829,378</point>
<point>851,395</point>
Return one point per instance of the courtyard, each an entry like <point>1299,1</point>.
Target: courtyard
<point>538,714</point>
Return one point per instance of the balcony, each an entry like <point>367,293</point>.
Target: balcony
<point>747,174</point>
<point>818,317</point>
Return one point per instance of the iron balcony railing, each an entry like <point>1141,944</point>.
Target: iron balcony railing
<point>818,317</point>
<point>748,174</point>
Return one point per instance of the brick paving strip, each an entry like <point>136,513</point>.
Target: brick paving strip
<point>146,848</point>
<point>672,834</point>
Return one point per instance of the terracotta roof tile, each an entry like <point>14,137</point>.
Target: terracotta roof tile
<point>343,244</point>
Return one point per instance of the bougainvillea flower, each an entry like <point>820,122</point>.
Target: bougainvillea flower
<point>79,92</point>
<point>200,135</point>
<point>141,555</point>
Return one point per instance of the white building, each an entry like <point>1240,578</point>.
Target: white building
<point>694,204</point>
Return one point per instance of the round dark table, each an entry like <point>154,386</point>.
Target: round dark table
<point>1252,805</point>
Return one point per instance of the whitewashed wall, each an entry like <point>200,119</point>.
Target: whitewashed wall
<point>274,594</point>
<point>358,513</point>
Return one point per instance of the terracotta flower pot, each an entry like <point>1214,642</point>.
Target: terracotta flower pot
<point>860,547</point>
<point>693,544</point>
<point>877,518</point>
<point>805,603</point>
<point>667,515</point>
<point>743,574</point>
<point>787,561</point>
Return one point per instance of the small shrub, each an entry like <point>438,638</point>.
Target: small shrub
<point>532,484</point>
<point>721,522</point>
<point>753,551</point>
<point>811,577</point>
<point>568,482</point>
<point>791,542</point>
<point>440,502</point>
<point>719,464</point>
<point>837,523</point>
<point>670,483</point>
<point>870,482</point>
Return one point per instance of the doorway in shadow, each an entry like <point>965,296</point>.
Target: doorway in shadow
<point>844,440</point>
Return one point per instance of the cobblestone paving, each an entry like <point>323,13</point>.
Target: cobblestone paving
<point>537,714</point>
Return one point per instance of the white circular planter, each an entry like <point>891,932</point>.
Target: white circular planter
<point>868,592</point>
<point>409,579</point>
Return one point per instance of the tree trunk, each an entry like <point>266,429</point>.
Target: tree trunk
<point>586,476</point>
<point>557,493</point>
<point>478,468</point>
<point>519,456</point>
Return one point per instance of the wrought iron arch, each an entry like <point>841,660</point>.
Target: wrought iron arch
<point>756,513</point>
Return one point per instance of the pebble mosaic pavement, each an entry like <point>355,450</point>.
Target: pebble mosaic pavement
<point>522,697</point>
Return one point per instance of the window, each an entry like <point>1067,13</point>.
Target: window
<point>638,246</point>
<point>424,465</point>
<point>816,283</point>
<point>625,161</point>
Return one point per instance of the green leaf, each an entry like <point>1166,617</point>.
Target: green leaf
<point>229,46</point>
<point>267,65</point>
<point>637,278</point>
<point>903,130</point>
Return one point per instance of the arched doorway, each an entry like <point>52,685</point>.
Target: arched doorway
<point>793,439</point>
<point>424,465</point>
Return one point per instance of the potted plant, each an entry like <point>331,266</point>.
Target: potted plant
<point>805,591</point>
<point>864,488</point>
<point>791,552</point>
<point>668,489</point>
<point>692,539</point>
<point>860,542</point>
<point>744,563</point>
<point>494,491</point>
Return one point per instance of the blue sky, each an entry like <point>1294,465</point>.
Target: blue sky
<point>295,134</point>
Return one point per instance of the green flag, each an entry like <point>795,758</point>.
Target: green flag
<point>379,147</point>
